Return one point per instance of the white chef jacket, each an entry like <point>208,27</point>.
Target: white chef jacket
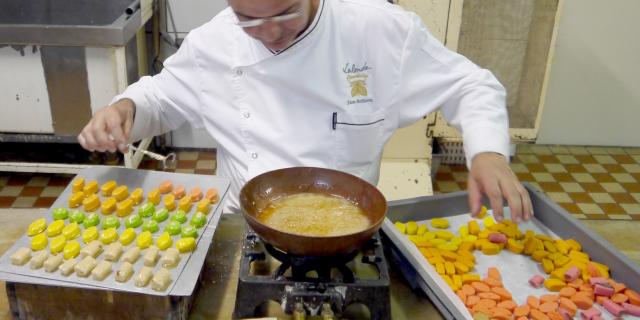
<point>363,69</point>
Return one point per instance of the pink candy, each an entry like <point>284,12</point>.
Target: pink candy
<point>497,238</point>
<point>536,281</point>
<point>598,280</point>
<point>603,290</point>
<point>590,314</point>
<point>613,308</point>
<point>572,274</point>
<point>631,309</point>
<point>565,314</point>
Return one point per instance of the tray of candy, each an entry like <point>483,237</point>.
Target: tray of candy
<point>607,282</point>
<point>122,229</point>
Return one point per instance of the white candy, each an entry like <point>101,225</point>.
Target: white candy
<point>21,256</point>
<point>102,270</point>
<point>161,280</point>
<point>170,258</point>
<point>93,249</point>
<point>38,260</point>
<point>84,267</point>
<point>125,272</point>
<point>53,262</point>
<point>151,256</point>
<point>142,279</point>
<point>68,266</point>
<point>131,255</point>
<point>113,252</point>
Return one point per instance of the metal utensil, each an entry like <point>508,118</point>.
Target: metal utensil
<point>169,158</point>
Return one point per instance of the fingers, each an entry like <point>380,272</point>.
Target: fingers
<point>494,194</point>
<point>104,132</point>
<point>527,212</point>
<point>514,198</point>
<point>118,134</point>
<point>475,196</point>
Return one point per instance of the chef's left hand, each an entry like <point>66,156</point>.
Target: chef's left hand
<point>491,175</point>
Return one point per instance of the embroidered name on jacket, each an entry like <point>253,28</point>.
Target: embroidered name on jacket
<point>357,77</point>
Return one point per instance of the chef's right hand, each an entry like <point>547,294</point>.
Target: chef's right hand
<point>109,128</point>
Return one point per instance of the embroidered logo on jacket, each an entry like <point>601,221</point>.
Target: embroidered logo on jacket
<point>357,78</point>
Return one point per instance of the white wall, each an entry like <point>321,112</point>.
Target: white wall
<point>594,86</point>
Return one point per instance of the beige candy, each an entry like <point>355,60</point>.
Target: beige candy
<point>113,252</point>
<point>53,262</point>
<point>68,266</point>
<point>101,271</point>
<point>124,272</point>
<point>38,260</point>
<point>170,258</point>
<point>93,249</point>
<point>161,280</point>
<point>21,256</point>
<point>131,255</point>
<point>151,256</point>
<point>142,279</point>
<point>84,267</point>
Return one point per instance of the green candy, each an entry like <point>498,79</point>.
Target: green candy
<point>146,210</point>
<point>133,221</point>
<point>189,232</point>
<point>150,225</point>
<point>110,222</point>
<point>160,215</point>
<point>91,220</point>
<point>199,220</point>
<point>179,216</point>
<point>173,228</point>
<point>76,216</point>
<point>60,213</point>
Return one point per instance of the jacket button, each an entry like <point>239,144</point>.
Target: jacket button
<point>238,72</point>
<point>247,114</point>
<point>254,155</point>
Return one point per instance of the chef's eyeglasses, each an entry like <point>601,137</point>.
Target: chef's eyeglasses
<point>277,19</point>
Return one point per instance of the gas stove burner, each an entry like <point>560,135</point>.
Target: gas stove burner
<point>312,285</point>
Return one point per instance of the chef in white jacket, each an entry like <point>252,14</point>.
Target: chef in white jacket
<point>325,83</point>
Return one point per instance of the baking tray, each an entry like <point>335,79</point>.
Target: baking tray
<point>184,275</point>
<point>547,214</point>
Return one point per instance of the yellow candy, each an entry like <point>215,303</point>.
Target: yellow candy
<point>55,228</point>
<point>108,236</point>
<point>90,188</point>
<point>71,231</point>
<point>466,246</point>
<point>77,184</point>
<point>185,203</point>
<point>120,193</point>
<point>470,264</point>
<point>164,241</point>
<point>203,206</point>
<point>577,255</point>
<point>137,195</point>
<point>429,235</point>
<point>71,250</point>
<point>554,284</point>
<point>437,241</point>
<point>39,242</point>
<point>574,245</point>
<point>90,234</point>
<point>127,236</point>
<point>109,206</point>
<point>449,268</point>
<point>470,277</point>
<point>547,265</point>
<point>144,240</point>
<point>490,249</point>
<point>488,222</point>
<point>401,227</point>
<point>186,244</point>
<point>440,223</point>
<point>124,208</point>
<point>550,246</point>
<point>562,246</point>
<point>456,240</point>
<point>448,280</point>
<point>76,199</point>
<point>37,227</point>
<point>463,231</point>
<point>412,227</point>
<point>154,196</point>
<point>448,255</point>
<point>474,228</point>
<point>169,202</point>
<point>515,246</point>
<point>440,268</point>
<point>419,241</point>
<point>57,244</point>
<point>422,229</point>
<point>461,268</point>
<point>91,203</point>
<point>108,187</point>
<point>469,238</point>
<point>448,247</point>
<point>482,213</point>
<point>444,234</point>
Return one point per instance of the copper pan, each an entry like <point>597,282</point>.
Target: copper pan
<point>263,189</point>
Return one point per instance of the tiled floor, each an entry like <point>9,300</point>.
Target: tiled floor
<point>590,182</point>
<point>26,190</point>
